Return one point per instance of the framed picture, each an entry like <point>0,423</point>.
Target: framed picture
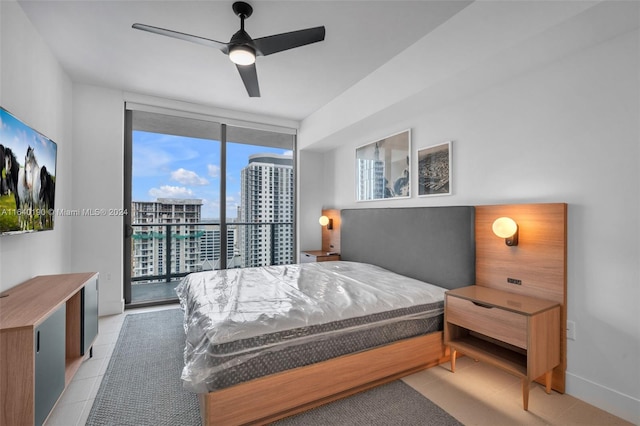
<point>382,168</point>
<point>27,177</point>
<point>434,170</point>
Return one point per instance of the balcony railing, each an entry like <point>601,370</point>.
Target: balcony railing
<point>167,252</point>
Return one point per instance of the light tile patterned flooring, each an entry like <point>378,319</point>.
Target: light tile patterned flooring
<point>477,394</point>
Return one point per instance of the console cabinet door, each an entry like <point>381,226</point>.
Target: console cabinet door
<point>89,319</point>
<point>49,344</point>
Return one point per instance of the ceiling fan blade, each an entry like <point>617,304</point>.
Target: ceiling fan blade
<point>285,41</point>
<point>250,79</point>
<point>224,47</point>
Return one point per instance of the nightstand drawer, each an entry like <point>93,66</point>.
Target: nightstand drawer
<point>307,257</point>
<point>500,324</point>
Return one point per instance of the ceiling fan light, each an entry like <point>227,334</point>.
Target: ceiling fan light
<point>242,55</point>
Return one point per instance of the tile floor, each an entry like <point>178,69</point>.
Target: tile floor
<point>477,394</point>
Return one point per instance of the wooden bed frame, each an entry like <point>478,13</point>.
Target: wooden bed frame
<point>276,396</point>
<point>273,397</point>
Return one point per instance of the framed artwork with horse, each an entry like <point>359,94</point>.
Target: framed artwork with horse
<point>27,177</point>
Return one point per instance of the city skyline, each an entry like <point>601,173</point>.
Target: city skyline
<point>168,166</point>
<point>171,237</point>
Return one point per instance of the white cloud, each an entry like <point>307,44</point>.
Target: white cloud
<point>168,191</point>
<point>188,177</point>
<point>214,171</point>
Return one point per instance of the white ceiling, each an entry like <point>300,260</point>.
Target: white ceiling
<point>95,44</point>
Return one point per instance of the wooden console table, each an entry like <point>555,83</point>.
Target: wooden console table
<point>47,324</point>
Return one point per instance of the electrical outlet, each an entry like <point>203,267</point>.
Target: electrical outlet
<point>571,330</point>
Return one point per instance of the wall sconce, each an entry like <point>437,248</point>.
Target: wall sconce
<point>325,221</point>
<point>507,228</point>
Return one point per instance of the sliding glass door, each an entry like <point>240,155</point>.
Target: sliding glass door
<point>202,195</point>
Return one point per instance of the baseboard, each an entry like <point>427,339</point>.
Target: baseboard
<point>612,401</point>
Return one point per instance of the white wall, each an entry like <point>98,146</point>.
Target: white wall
<point>311,187</point>
<point>98,164</point>
<point>564,130</point>
<point>35,88</point>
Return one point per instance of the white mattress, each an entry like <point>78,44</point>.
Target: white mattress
<point>228,311</point>
<point>243,303</point>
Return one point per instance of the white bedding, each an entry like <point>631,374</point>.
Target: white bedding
<point>242,303</point>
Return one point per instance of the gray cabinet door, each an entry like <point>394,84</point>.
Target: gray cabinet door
<point>49,342</point>
<point>89,321</point>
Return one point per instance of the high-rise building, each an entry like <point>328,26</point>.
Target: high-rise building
<point>371,177</point>
<point>267,194</point>
<point>211,246</point>
<point>150,242</point>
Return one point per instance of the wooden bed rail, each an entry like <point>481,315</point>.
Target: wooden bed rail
<point>273,397</point>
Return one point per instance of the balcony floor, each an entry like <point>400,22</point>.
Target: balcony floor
<point>153,294</point>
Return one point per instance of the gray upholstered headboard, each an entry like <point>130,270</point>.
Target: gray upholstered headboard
<point>432,244</point>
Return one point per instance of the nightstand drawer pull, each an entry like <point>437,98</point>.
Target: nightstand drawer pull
<point>482,305</point>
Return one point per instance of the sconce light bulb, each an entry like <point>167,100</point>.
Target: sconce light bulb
<point>324,220</point>
<point>505,227</point>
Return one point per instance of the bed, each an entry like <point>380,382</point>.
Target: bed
<point>243,324</point>
<point>313,339</point>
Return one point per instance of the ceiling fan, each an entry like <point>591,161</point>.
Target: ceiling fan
<point>242,49</point>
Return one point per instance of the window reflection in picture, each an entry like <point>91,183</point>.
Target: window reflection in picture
<point>383,168</point>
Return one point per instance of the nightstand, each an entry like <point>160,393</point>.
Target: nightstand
<point>519,334</point>
<point>318,256</point>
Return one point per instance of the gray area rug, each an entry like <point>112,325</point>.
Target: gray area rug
<point>142,387</point>
<point>395,403</point>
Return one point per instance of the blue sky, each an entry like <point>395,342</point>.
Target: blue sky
<point>166,166</point>
<point>18,137</point>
